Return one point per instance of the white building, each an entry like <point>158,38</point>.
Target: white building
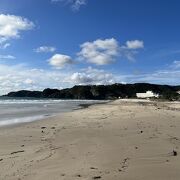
<point>148,94</point>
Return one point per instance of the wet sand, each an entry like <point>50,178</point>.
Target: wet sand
<point>124,139</point>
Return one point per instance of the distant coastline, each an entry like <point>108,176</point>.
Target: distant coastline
<point>103,92</point>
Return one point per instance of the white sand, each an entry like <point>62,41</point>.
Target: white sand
<point>126,140</point>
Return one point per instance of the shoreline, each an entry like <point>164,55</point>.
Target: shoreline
<point>26,120</point>
<point>116,140</point>
<point>79,107</point>
<point>84,106</point>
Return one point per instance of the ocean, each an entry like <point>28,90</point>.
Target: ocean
<point>14,111</point>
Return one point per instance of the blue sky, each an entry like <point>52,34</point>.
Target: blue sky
<point>60,43</point>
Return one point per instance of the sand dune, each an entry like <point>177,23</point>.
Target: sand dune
<point>124,139</point>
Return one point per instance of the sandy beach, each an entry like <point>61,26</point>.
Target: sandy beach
<point>123,139</point>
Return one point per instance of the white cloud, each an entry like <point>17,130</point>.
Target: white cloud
<point>167,76</point>
<point>130,49</point>
<point>99,52</point>
<point>11,26</point>
<point>18,77</point>
<point>29,81</point>
<point>80,78</point>
<point>3,57</point>
<point>92,76</point>
<point>103,52</point>
<point>45,49</point>
<point>4,45</point>
<point>59,61</point>
<point>135,44</point>
<point>75,4</point>
<point>95,76</point>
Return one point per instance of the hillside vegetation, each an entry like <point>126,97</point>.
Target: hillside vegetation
<point>102,92</point>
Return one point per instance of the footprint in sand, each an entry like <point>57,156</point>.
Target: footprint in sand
<point>125,165</point>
